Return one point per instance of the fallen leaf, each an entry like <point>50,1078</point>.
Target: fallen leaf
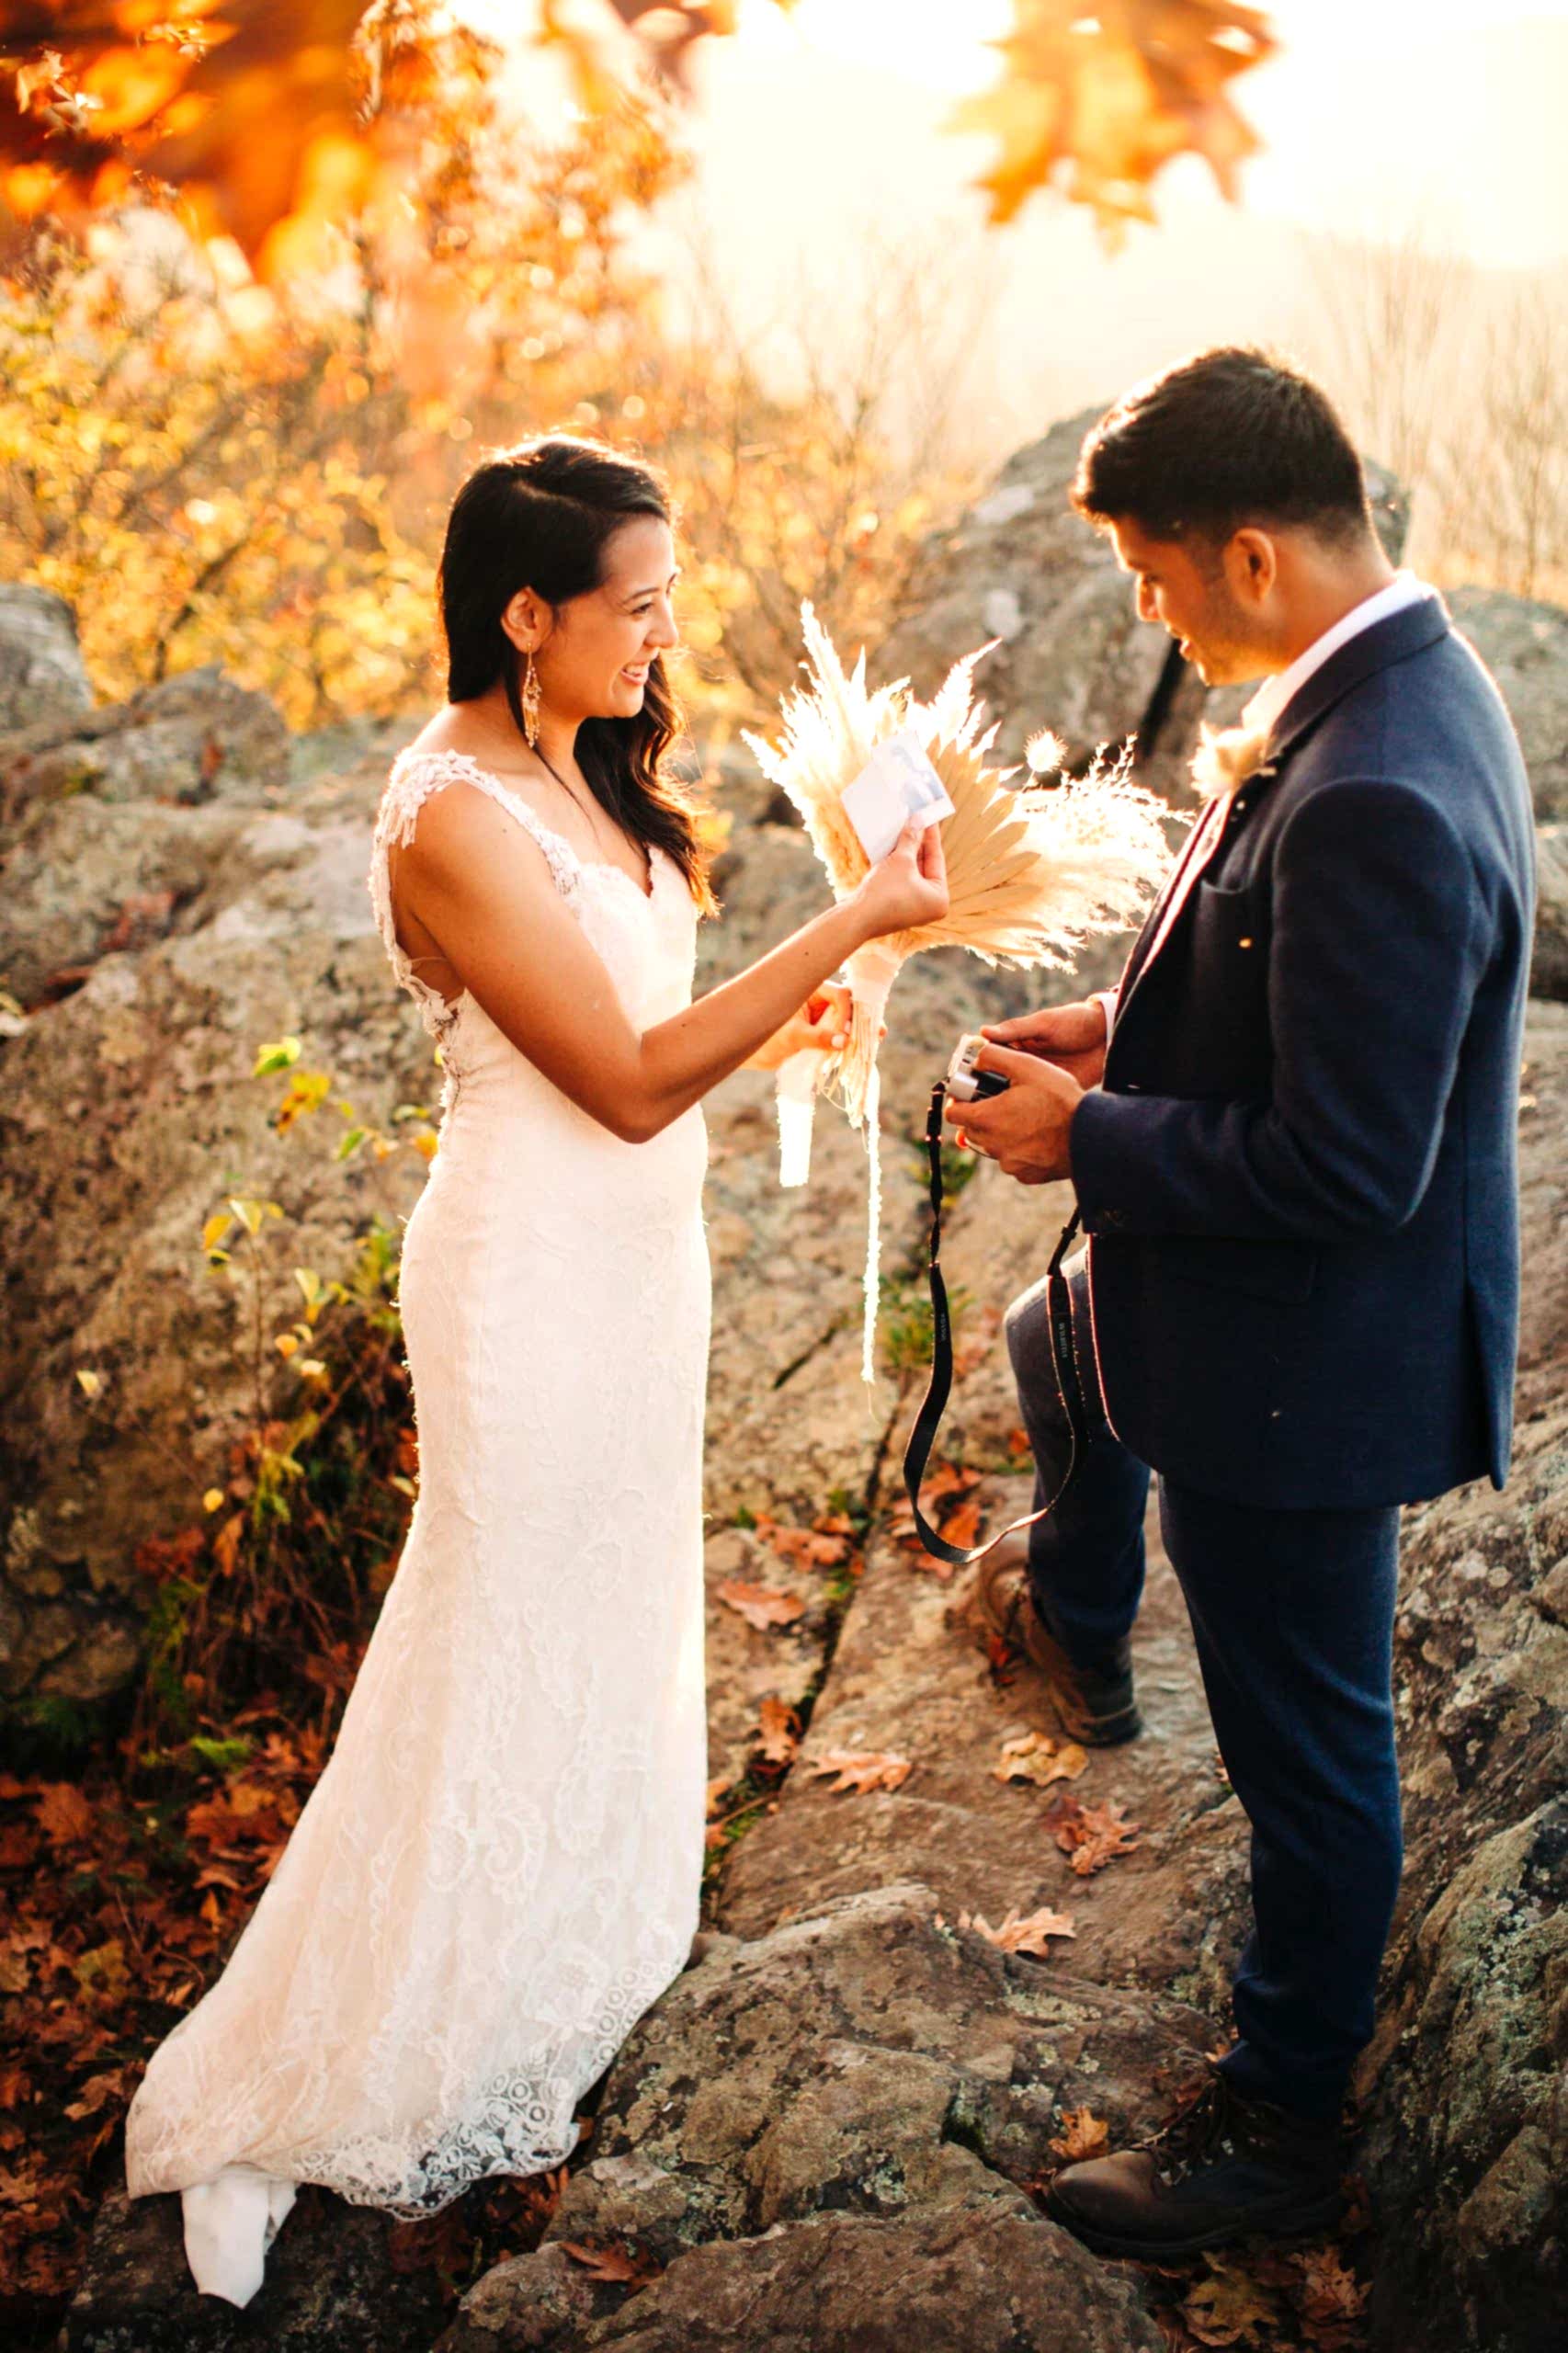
<point>100,2091</point>
<point>64,1815</point>
<point>761,1605</point>
<point>1095,104</point>
<point>1229,2308</point>
<point>961,1527</point>
<point>861,1769</point>
<point>817,1547</point>
<point>1327,2292</point>
<point>715,1791</point>
<point>1091,1835</point>
<point>617,2265</point>
<point>103,1971</point>
<point>778,1732</point>
<point>1034,1756</point>
<point>1018,1934</point>
<point>1082,2136</point>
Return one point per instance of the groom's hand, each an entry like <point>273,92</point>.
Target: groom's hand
<point>1024,1130</point>
<point>1070,1036</point>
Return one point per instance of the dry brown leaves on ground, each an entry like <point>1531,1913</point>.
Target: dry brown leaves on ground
<point>826,1544</point>
<point>860,1770</point>
<point>1082,2134</point>
<point>1018,1934</point>
<point>621,2266</point>
<point>778,1732</point>
<point>1090,1835</point>
<point>948,1500</point>
<point>761,1606</point>
<point>1034,1756</point>
<point>1277,2301</point>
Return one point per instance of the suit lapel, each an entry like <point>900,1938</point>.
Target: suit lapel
<point>1408,631</point>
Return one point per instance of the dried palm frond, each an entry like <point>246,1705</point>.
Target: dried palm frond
<point>1032,874</point>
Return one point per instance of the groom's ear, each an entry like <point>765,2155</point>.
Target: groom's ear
<point>1252,563</point>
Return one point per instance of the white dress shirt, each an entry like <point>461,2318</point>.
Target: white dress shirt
<point>1277,692</point>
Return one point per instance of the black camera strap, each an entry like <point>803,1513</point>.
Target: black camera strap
<point>1063,1359</point>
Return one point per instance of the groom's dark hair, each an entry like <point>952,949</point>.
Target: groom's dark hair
<point>1231,436</point>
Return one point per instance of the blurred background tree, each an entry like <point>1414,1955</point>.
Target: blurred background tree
<point>272,275</point>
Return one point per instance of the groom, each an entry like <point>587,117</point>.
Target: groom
<point>1292,1134</point>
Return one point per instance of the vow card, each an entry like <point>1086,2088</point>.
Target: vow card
<point>897,783</point>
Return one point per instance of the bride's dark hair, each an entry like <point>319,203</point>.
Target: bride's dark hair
<point>540,516</point>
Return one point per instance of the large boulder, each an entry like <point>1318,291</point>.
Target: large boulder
<point>1071,655</point>
<point>826,2136</point>
<point>1524,643</point>
<point>1549,966</point>
<point>129,1113</point>
<point>1467,2081</point>
<point>194,738</point>
<point>43,676</point>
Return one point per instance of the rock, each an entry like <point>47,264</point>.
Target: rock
<point>991,2283</point>
<point>546,2302</point>
<point>850,2107</point>
<point>869,2057</point>
<point>332,2285</point>
<point>194,738</point>
<point>42,678</point>
<point>1549,965</point>
<point>1021,567</point>
<point>1467,2142</point>
<point>1524,643</point>
<point>130,1112</point>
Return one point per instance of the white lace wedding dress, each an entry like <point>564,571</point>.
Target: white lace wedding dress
<point>498,1869</point>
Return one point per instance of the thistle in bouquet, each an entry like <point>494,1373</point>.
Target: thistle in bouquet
<point>1033,873</point>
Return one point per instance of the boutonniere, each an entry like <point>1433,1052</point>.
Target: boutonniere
<point>1226,757</point>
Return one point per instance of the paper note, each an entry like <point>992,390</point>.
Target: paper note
<point>897,783</point>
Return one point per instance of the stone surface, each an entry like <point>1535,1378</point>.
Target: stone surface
<point>42,678</point>
<point>1525,645</point>
<point>878,2075</point>
<point>194,738</point>
<point>1465,2084</point>
<point>1022,568</point>
<point>331,2285</point>
<point>996,2282</point>
<point>1549,965</point>
<point>130,1111</point>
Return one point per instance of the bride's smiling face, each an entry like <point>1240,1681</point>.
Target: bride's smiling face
<point>592,654</point>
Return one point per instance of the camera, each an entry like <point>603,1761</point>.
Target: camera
<point>966,1084</point>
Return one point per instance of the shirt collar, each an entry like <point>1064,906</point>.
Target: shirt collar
<point>1273,696</point>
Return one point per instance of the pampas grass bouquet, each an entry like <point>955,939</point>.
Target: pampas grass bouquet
<point>1033,873</point>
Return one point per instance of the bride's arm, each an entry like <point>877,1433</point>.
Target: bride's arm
<point>479,885</point>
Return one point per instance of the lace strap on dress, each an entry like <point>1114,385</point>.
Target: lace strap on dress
<point>415,775</point>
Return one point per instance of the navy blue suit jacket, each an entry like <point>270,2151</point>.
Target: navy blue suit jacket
<point>1300,1175</point>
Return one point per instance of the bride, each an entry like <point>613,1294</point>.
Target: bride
<point>499,1867</point>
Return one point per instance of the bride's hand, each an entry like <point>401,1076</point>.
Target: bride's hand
<point>822,1023</point>
<point>908,888</point>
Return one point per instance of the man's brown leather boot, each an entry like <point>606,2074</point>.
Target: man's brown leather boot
<point>1094,1697</point>
<point>1225,2168</point>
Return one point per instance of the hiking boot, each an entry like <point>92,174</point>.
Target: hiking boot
<point>1093,1695</point>
<point>1226,2167</point>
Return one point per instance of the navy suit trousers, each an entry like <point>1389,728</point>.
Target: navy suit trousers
<point>1292,1616</point>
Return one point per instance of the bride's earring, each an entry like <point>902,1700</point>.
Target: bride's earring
<point>531,700</point>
